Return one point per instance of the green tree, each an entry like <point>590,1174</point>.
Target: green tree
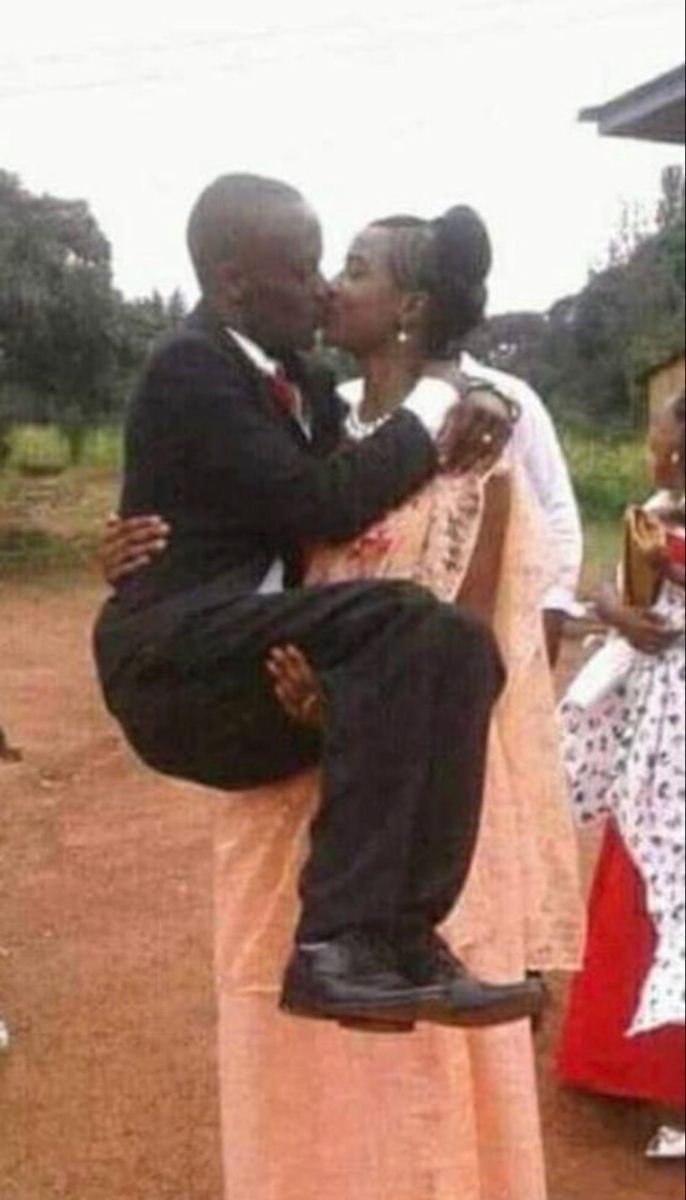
<point>138,324</point>
<point>69,342</point>
<point>56,301</point>
<point>590,353</point>
<point>671,208</point>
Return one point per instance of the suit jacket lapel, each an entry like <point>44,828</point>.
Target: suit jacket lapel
<point>328,412</point>
<point>325,409</point>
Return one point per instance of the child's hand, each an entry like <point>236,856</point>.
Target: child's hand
<point>659,558</point>
<point>645,630</point>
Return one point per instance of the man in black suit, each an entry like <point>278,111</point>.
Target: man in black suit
<point>238,445</point>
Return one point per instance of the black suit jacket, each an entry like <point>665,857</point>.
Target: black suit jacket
<point>240,484</point>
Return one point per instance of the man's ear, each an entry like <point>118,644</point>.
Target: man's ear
<point>229,284</point>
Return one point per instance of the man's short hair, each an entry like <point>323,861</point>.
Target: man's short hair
<point>226,212</point>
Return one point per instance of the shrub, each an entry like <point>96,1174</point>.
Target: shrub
<point>38,450</point>
<point>609,471</point>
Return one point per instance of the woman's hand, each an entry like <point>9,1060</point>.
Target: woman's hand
<point>296,686</point>
<point>476,432</point>
<point>130,544</point>
<point>658,557</point>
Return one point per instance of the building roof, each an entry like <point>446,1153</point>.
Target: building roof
<point>654,111</point>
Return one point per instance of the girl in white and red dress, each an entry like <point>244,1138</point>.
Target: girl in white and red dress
<point>625,744</point>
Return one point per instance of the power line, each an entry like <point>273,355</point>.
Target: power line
<point>378,42</point>
<point>271,33</point>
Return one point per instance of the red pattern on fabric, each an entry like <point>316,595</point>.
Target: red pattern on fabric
<point>676,544</point>
<point>596,1054</point>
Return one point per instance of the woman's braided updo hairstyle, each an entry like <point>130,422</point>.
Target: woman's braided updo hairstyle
<point>450,259</point>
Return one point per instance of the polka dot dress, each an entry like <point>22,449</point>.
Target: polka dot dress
<point>624,753</point>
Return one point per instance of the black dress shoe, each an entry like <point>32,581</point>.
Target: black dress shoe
<point>469,1001</point>
<point>353,979</point>
<point>357,980</point>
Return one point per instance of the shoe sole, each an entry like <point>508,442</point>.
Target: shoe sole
<point>505,1014</point>
<point>361,1020</point>
<point>373,1021</point>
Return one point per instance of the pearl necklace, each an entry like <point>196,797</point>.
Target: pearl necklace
<point>358,429</point>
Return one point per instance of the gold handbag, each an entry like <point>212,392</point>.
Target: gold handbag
<point>641,579</point>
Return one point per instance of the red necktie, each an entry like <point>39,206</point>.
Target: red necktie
<point>284,394</point>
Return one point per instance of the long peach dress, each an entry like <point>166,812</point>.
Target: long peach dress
<point>314,1112</point>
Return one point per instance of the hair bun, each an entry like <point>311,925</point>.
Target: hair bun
<point>463,245</point>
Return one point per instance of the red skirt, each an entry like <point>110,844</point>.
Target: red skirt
<point>596,1054</point>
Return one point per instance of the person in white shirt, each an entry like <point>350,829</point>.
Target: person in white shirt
<point>536,445</point>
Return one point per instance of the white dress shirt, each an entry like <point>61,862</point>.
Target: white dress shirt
<point>535,445</point>
<point>274,581</point>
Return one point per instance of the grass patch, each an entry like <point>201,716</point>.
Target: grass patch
<point>608,468</point>
<point>53,522</point>
<point>52,515</point>
<point>35,551</point>
<point>603,541</point>
<point>41,450</point>
<point>609,471</point>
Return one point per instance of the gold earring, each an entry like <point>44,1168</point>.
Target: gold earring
<point>403,337</point>
<point>676,458</point>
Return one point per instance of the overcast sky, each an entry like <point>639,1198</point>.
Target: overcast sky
<point>371,107</point>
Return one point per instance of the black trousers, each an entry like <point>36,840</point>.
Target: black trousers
<point>410,684</point>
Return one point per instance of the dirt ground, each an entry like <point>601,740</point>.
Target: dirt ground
<point>105,969</point>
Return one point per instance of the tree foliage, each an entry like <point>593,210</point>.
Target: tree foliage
<point>69,342</point>
<point>591,352</point>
